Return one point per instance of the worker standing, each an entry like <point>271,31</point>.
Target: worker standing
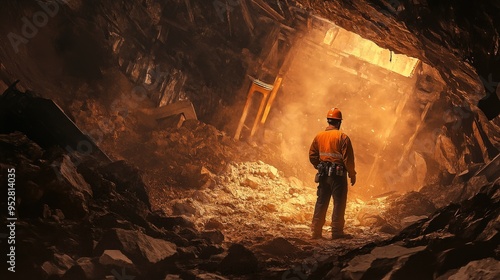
<point>332,154</point>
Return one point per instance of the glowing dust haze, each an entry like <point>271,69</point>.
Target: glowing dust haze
<point>371,99</point>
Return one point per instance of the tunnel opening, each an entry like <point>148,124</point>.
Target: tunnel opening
<point>386,98</point>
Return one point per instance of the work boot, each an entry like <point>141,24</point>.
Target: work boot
<point>341,236</point>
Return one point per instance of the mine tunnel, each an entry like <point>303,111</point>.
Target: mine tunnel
<point>171,139</point>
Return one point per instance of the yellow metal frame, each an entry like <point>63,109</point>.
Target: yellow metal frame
<point>268,95</point>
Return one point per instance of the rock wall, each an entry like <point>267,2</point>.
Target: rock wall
<point>449,244</point>
<point>198,51</point>
<point>108,60</point>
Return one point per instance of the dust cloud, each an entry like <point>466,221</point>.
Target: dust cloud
<point>319,79</point>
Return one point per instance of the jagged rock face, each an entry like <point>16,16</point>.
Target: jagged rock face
<point>443,35</point>
<point>153,41</point>
<point>118,53</point>
<point>121,233</point>
<point>445,246</point>
<point>88,219</point>
<point>139,37</point>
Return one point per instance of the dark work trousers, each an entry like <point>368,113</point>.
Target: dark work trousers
<point>336,187</point>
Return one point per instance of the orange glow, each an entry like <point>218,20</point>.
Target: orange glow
<point>332,67</point>
<point>352,44</point>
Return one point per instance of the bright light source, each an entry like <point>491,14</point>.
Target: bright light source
<point>352,44</point>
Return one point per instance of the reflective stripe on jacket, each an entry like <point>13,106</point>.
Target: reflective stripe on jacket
<point>335,146</point>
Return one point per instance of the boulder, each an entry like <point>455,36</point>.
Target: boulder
<point>490,232</point>
<point>473,186</point>
<point>214,236</point>
<point>185,207</point>
<point>115,258</point>
<point>485,269</point>
<point>279,247</point>
<point>206,251</point>
<point>187,253</point>
<point>101,187</point>
<point>239,261</point>
<point>370,216</point>
<point>410,204</point>
<point>295,183</point>
<point>445,153</point>
<point>68,190</point>
<point>484,144</point>
<point>439,220</point>
<point>59,214</point>
<point>197,176</point>
<point>84,269</point>
<point>16,147</point>
<point>189,234</point>
<point>213,223</point>
<point>378,262</point>
<point>201,196</point>
<point>58,266</point>
<point>405,222</point>
<point>461,255</point>
<point>251,182</point>
<point>272,172</point>
<point>442,195</point>
<point>161,220</point>
<point>142,249</point>
<point>128,179</point>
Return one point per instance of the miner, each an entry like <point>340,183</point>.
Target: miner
<point>331,153</point>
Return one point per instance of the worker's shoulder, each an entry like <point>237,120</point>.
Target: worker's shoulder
<point>345,137</point>
<point>344,134</point>
<point>341,134</point>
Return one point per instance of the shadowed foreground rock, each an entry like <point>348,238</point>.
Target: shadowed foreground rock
<point>239,261</point>
<point>450,244</point>
<point>88,219</point>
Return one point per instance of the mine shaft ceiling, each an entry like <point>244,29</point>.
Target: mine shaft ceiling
<point>177,51</point>
<point>349,43</point>
<point>448,42</point>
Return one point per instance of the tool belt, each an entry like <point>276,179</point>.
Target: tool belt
<point>329,169</point>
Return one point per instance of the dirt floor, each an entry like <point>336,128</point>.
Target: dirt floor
<point>218,183</point>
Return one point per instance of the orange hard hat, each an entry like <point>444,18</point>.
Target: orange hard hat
<point>334,113</point>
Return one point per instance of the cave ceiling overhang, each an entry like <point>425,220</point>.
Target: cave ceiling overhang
<point>391,27</point>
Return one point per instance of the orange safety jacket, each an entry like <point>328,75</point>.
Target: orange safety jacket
<point>334,146</point>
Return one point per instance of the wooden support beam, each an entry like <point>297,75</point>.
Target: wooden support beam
<point>277,86</point>
<point>269,10</point>
<point>246,16</point>
<point>181,107</point>
<point>259,113</point>
<point>190,11</point>
<point>270,42</point>
<point>257,87</point>
<point>228,15</point>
